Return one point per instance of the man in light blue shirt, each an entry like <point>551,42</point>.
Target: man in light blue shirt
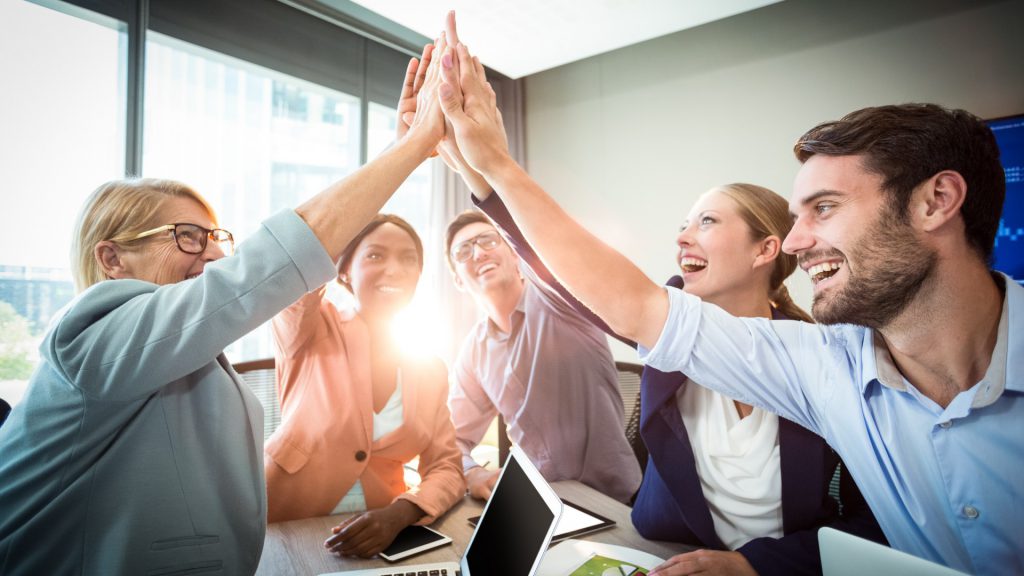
<point>914,375</point>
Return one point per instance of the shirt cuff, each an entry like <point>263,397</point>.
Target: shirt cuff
<point>468,463</point>
<point>671,351</point>
<point>303,247</point>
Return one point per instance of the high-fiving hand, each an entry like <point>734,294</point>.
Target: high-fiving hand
<point>415,76</point>
<point>418,107</point>
<point>470,105</point>
<point>414,82</point>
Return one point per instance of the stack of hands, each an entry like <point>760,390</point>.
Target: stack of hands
<point>447,81</point>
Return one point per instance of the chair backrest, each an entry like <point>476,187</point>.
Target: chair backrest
<point>5,409</point>
<point>262,380</point>
<point>833,486</point>
<point>629,389</point>
<point>504,444</point>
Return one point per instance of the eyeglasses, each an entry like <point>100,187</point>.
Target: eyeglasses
<point>192,239</point>
<point>464,250</point>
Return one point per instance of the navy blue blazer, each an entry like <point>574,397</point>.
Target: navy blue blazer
<point>670,504</point>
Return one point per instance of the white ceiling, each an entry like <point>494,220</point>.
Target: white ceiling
<point>522,37</point>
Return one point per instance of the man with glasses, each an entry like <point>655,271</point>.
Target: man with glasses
<point>534,360</point>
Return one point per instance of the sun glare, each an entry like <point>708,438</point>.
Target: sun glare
<point>419,332</point>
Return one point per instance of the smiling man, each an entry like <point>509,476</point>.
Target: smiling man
<point>539,364</point>
<point>914,375</point>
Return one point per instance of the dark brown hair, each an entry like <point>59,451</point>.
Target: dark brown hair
<point>379,220</point>
<point>461,221</point>
<point>909,143</point>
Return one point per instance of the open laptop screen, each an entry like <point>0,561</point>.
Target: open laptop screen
<point>513,528</point>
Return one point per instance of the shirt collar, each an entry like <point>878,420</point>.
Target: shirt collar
<point>494,332</point>
<point>886,371</point>
<point>1011,332</point>
<point>999,375</point>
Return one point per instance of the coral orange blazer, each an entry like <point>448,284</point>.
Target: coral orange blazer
<point>325,441</point>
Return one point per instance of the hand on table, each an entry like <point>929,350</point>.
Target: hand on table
<point>481,481</point>
<point>707,562</point>
<point>369,533</point>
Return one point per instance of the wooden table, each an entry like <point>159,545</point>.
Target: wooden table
<point>296,548</point>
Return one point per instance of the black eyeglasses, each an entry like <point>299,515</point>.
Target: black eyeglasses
<point>464,250</point>
<point>192,239</point>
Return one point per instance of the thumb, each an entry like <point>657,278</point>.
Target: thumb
<point>451,101</point>
<point>408,117</point>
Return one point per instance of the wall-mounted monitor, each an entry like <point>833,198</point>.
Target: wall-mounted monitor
<point>1009,252</point>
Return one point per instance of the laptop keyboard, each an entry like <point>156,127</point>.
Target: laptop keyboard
<point>420,573</point>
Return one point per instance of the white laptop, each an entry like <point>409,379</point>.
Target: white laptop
<point>844,554</point>
<point>512,536</point>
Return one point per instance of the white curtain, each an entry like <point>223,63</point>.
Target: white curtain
<point>451,197</point>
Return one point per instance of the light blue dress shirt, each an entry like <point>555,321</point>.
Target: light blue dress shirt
<point>945,484</point>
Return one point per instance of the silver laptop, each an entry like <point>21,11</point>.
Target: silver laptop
<point>844,554</point>
<point>512,536</point>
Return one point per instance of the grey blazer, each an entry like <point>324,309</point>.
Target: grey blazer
<point>137,449</point>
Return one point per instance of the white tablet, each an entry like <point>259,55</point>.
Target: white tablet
<point>413,540</point>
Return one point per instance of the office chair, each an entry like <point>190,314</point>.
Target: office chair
<point>5,409</point>
<point>504,444</point>
<point>259,375</point>
<point>833,486</point>
<point>629,388</point>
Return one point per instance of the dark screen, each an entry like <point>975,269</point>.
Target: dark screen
<point>1009,249</point>
<point>513,527</point>
<point>411,537</point>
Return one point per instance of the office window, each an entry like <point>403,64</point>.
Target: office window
<point>62,112</point>
<point>255,122</point>
<point>251,140</point>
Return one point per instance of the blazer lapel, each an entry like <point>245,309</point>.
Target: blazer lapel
<point>662,429</point>
<point>801,460</point>
<point>357,346</point>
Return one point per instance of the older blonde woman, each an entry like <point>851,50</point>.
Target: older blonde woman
<point>137,449</point>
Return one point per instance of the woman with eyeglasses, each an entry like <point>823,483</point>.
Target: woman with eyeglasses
<point>137,449</point>
<point>355,409</point>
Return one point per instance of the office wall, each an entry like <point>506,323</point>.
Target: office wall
<point>626,141</point>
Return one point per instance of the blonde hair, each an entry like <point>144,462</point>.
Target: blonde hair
<point>118,210</point>
<point>767,214</point>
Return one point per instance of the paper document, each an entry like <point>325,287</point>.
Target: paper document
<point>598,565</point>
<point>571,555</point>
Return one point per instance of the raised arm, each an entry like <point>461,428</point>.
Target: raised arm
<point>154,335</point>
<point>341,211</point>
<point>631,304</point>
<point>448,149</point>
<point>496,210</point>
